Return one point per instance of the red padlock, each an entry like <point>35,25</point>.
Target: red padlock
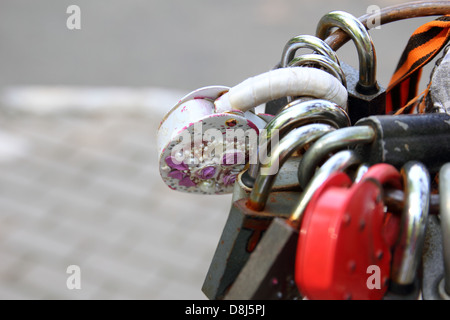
<point>346,237</point>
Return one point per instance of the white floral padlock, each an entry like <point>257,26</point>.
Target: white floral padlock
<point>190,159</point>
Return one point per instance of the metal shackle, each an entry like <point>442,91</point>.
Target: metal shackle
<point>444,198</point>
<point>301,113</point>
<point>326,63</point>
<point>332,142</point>
<point>291,142</point>
<point>408,249</point>
<point>309,42</point>
<point>367,83</point>
<point>337,163</point>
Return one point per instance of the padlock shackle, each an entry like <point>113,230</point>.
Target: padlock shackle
<point>281,83</point>
<point>309,42</point>
<point>291,142</point>
<point>444,196</point>
<point>361,171</point>
<point>408,249</point>
<point>394,200</point>
<point>367,83</point>
<point>339,139</point>
<point>297,114</point>
<point>337,163</point>
<point>329,65</point>
<point>390,14</point>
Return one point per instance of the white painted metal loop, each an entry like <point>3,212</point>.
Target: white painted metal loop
<point>280,83</point>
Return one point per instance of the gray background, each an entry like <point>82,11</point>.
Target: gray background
<point>176,44</point>
<point>80,185</point>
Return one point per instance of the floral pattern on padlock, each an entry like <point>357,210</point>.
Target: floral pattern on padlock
<point>190,160</point>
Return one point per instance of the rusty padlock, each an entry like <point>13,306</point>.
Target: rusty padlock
<point>366,97</point>
<point>269,271</point>
<point>245,226</point>
<point>344,233</point>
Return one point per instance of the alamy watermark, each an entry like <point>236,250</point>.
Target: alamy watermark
<point>374,280</point>
<point>229,147</point>
<point>74,280</point>
<point>74,20</point>
<point>374,20</point>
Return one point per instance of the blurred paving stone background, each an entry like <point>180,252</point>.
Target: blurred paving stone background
<point>79,110</point>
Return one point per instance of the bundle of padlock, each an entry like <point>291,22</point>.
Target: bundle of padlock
<point>346,194</point>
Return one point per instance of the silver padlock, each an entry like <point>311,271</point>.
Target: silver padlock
<point>408,248</point>
<point>306,41</point>
<point>245,225</point>
<point>297,114</point>
<point>444,191</point>
<point>292,46</point>
<point>436,256</point>
<point>322,61</point>
<point>269,272</point>
<point>330,143</point>
<point>366,97</point>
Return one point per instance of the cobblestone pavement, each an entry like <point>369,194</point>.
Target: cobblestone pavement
<point>86,191</point>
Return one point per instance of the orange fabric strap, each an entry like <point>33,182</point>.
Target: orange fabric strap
<point>424,44</point>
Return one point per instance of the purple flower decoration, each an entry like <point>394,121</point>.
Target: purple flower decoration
<point>207,173</point>
<point>229,179</point>
<point>172,162</point>
<point>187,182</point>
<point>177,172</point>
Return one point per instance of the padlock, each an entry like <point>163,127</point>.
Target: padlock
<point>306,41</point>
<point>321,62</point>
<point>245,226</point>
<point>185,162</point>
<point>366,97</point>
<point>344,233</point>
<point>387,138</point>
<point>193,161</point>
<point>421,137</point>
<point>408,249</point>
<point>297,114</point>
<point>324,62</point>
<point>444,190</point>
<point>299,42</point>
<point>435,282</point>
<point>269,271</point>
<point>279,83</point>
